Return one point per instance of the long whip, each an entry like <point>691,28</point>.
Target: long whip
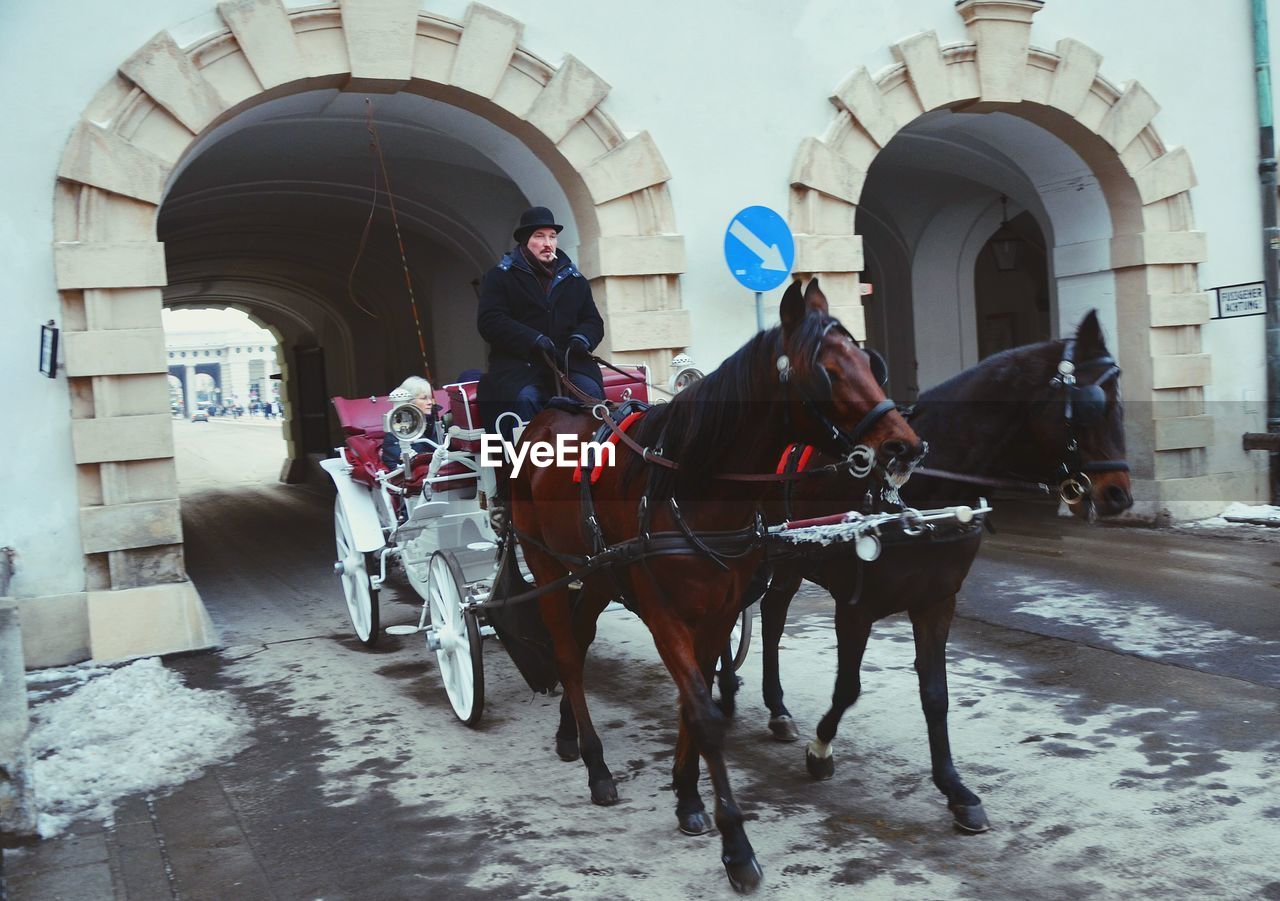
<point>375,145</point>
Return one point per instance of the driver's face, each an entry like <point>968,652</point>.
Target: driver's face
<point>542,244</point>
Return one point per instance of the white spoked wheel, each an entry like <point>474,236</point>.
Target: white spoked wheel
<point>740,637</point>
<point>455,637</point>
<point>353,569</point>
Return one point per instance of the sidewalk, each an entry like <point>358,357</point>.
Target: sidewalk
<point>246,419</point>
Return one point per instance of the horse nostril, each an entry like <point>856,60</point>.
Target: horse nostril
<point>895,449</point>
<point>1116,497</point>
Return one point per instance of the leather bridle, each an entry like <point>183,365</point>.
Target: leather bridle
<point>1084,405</point>
<point>858,458</point>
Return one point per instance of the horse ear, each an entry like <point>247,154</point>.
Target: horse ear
<point>1089,336</point>
<point>792,308</point>
<point>814,298</point>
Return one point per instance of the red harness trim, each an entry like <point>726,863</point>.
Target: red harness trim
<point>786,453</point>
<point>598,469</point>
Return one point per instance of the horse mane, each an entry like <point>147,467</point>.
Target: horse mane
<point>711,418</point>
<point>1007,369</point>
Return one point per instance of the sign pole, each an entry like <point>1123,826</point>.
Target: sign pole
<point>759,311</point>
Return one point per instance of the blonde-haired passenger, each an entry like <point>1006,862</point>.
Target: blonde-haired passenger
<point>418,391</point>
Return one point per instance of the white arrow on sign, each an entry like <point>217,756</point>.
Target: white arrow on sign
<point>770,256</point>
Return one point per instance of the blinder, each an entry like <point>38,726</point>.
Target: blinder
<point>859,457</point>
<point>879,368</point>
<point>1085,406</point>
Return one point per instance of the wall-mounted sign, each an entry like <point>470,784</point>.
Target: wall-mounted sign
<point>49,349</point>
<point>1241,300</point>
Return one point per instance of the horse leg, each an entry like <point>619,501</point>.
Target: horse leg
<point>691,814</point>
<point>557,613</point>
<point>773,618</point>
<point>931,627</point>
<point>584,627</point>
<point>705,724</point>
<point>728,681</point>
<point>567,731</point>
<point>853,628</point>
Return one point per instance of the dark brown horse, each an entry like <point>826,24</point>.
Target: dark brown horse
<point>1047,413</point>
<point>806,380</point>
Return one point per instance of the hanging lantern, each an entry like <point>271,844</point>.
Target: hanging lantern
<point>1005,244</point>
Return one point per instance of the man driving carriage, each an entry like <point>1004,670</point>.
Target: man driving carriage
<point>535,303</point>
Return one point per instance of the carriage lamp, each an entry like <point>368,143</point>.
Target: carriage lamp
<point>683,373</point>
<point>1005,243</point>
<point>406,422</point>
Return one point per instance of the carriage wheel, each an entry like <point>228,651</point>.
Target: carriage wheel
<point>353,569</point>
<point>740,638</point>
<point>455,637</point>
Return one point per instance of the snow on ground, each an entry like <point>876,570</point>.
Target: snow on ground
<point>1087,797</point>
<point>1239,511</point>
<point>1131,626</point>
<point>124,731</point>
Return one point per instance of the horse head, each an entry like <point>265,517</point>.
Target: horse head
<point>1084,423</point>
<point>835,395</point>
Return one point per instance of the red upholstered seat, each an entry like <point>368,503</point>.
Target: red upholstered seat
<point>465,409</point>
<point>362,415</point>
<point>615,384</point>
<point>361,421</point>
<point>460,480</point>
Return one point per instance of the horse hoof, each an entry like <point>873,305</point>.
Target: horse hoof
<point>970,818</point>
<point>604,793</point>
<point>697,823</point>
<point>819,767</point>
<point>567,748</point>
<point>744,876</point>
<point>784,728</point>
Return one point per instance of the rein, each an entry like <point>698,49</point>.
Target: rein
<point>649,456</point>
<point>860,459</point>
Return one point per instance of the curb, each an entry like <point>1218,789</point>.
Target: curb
<point>17,794</point>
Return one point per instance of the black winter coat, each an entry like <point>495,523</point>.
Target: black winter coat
<point>514,312</point>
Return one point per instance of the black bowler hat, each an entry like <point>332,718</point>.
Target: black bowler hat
<point>531,220</point>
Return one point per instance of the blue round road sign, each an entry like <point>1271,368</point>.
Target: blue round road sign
<point>758,248</point>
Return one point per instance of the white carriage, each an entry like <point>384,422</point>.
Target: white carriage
<point>430,517</point>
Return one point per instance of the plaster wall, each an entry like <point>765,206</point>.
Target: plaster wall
<point>727,90</point>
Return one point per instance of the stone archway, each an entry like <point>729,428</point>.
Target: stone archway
<point>110,268</point>
<point>1152,250</point>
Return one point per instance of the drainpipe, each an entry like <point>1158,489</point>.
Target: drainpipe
<point>1270,239</point>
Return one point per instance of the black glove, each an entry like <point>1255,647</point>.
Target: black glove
<point>544,344</point>
<point>579,343</point>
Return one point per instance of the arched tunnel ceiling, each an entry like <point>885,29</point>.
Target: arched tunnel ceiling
<point>302,166</point>
<point>945,158</point>
<point>269,210</point>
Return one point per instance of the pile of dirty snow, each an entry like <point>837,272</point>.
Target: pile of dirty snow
<point>134,729</point>
<point>1238,514</point>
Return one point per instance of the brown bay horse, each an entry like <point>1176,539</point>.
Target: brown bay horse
<point>1045,413</point>
<point>806,380</point>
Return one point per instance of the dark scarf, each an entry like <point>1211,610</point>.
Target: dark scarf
<point>543,272</point>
